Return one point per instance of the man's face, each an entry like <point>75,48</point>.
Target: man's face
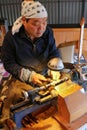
<point>35,27</point>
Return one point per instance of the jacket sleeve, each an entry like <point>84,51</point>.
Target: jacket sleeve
<point>8,57</point>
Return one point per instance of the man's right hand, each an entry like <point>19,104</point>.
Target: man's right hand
<point>31,76</point>
<point>37,78</point>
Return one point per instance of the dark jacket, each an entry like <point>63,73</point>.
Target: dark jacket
<point>19,51</point>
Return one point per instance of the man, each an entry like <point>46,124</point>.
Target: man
<point>29,47</point>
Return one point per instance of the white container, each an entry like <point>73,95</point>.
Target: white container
<point>67,53</point>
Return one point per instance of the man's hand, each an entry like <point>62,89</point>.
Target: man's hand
<point>37,78</point>
<point>31,76</point>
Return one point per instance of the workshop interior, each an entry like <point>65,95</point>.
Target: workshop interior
<point>60,104</point>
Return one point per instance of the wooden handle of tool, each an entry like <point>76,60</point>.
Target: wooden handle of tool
<point>81,38</point>
<point>82,21</point>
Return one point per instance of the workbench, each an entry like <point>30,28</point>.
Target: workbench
<point>49,123</point>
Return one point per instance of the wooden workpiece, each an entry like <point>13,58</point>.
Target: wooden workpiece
<point>72,106</point>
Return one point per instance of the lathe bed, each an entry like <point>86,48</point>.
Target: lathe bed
<point>20,113</point>
<point>35,101</point>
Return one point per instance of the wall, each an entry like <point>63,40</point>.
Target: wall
<point>60,12</point>
<point>69,34</point>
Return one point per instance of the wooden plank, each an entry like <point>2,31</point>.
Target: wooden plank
<point>68,34</point>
